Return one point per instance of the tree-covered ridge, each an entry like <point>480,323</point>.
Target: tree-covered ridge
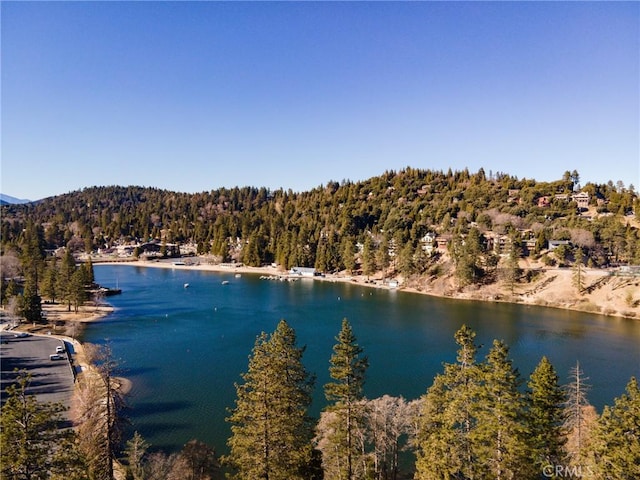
<point>322,227</point>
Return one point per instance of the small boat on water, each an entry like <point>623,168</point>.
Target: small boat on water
<point>105,292</point>
<point>186,285</point>
<point>238,275</point>
<point>225,282</point>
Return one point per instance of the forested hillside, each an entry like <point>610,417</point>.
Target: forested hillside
<point>328,226</point>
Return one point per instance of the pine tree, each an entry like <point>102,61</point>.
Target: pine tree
<point>405,261</point>
<point>77,289</point>
<point>499,434</point>
<point>347,253</point>
<point>29,433</point>
<point>368,257</point>
<point>65,273</point>
<point>135,453</point>
<point>383,260</point>
<point>617,437</point>
<point>271,432</point>
<point>510,267</point>
<point>448,417</point>
<point>49,285</point>
<point>33,253</point>
<point>31,303</point>
<point>89,275</point>
<point>545,417</point>
<point>347,369</point>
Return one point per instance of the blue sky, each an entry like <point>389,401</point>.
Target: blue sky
<point>193,96</point>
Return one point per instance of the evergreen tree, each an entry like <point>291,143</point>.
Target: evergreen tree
<point>383,260</point>
<point>49,285</point>
<point>31,303</point>
<point>89,276</point>
<point>322,258</point>
<point>617,437</point>
<point>499,434</point>
<point>405,261</point>
<point>135,454</point>
<point>545,417</point>
<point>510,266</point>
<point>33,253</point>
<point>465,254</point>
<point>445,437</point>
<point>65,274</point>
<point>77,289</point>
<point>347,369</point>
<point>11,290</point>
<point>368,257</point>
<point>29,433</point>
<point>347,251</point>
<point>271,432</point>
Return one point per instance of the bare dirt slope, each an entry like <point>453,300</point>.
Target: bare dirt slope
<point>603,292</point>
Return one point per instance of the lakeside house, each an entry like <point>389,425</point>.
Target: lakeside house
<point>303,271</point>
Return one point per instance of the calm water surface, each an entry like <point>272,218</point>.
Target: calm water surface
<point>184,348</point>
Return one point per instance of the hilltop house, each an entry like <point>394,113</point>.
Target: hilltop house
<point>582,199</point>
<point>428,242</point>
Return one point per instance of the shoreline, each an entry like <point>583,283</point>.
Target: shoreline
<point>558,294</point>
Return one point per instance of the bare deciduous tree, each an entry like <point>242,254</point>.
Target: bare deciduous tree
<point>579,415</point>
<point>98,407</point>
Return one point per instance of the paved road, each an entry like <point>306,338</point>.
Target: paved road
<point>51,380</point>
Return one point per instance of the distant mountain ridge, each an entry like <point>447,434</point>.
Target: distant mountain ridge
<point>9,200</point>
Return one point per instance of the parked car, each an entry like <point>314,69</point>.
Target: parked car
<point>56,356</point>
<point>59,349</point>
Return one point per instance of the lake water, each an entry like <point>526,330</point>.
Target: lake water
<point>184,348</point>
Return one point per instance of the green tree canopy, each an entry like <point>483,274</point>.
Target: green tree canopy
<point>545,416</point>
<point>271,431</point>
<point>347,370</point>
<point>30,434</point>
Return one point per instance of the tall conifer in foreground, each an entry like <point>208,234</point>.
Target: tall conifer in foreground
<point>617,437</point>
<point>500,433</point>
<point>348,368</point>
<point>271,432</point>
<point>29,434</point>
<point>445,438</point>
<point>545,400</point>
